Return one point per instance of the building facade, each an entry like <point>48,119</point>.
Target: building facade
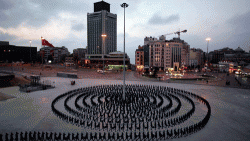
<point>227,54</point>
<point>99,23</point>
<point>113,58</point>
<point>139,56</point>
<point>53,53</point>
<point>142,57</point>
<point>218,55</point>
<point>11,53</point>
<point>196,57</point>
<point>80,52</point>
<point>69,61</point>
<point>239,56</point>
<point>165,54</point>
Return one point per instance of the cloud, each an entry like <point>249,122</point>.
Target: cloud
<point>37,12</point>
<point>240,23</point>
<point>54,29</point>
<point>131,45</point>
<point>78,27</point>
<point>158,20</point>
<point>5,4</point>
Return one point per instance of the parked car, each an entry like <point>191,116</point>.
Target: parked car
<point>238,73</point>
<point>100,71</point>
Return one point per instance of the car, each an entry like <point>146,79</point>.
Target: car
<point>238,72</point>
<point>100,71</point>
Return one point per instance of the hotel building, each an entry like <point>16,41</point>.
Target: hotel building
<point>100,23</point>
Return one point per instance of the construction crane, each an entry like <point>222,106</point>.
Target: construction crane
<point>178,33</point>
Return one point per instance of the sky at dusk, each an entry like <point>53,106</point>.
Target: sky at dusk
<point>64,22</point>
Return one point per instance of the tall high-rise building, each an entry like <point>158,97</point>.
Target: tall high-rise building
<point>99,23</point>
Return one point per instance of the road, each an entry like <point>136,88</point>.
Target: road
<point>219,80</point>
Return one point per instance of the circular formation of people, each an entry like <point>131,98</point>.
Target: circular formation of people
<point>147,112</point>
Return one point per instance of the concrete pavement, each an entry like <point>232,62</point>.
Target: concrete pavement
<point>32,111</point>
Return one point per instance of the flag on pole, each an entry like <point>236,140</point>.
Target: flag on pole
<point>46,43</point>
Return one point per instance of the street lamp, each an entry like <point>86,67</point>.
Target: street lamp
<point>103,48</point>
<point>30,50</point>
<point>42,50</point>
<point>98,53</point>
<point>124,5</point>
<point>208,39</point>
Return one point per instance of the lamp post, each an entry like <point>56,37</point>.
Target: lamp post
<point>41,50</point>
<point>98,53</point>
<point>208,39</point>
<point>124,5</point>
<point>30,50</point>
<point>103,48</point>
<point>98,49</point>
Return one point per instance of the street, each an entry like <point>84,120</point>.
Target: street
<point>218,80</point>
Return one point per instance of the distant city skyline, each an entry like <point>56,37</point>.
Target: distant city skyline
<point>64,23</point>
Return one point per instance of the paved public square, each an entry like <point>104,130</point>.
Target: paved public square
<point>32,111</point>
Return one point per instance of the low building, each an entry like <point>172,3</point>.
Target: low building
<point>69,61</point>
<point>238,56</point>
<point>227,54</point>
<point>11,53</point>
<point>227,66</point>
<point>55,54</point>
<point>113,58</point>
<point>196,57</point>
<point>80,52</point>
<point>142,57</point>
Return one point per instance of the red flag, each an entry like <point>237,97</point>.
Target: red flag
<point>46,43</point>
